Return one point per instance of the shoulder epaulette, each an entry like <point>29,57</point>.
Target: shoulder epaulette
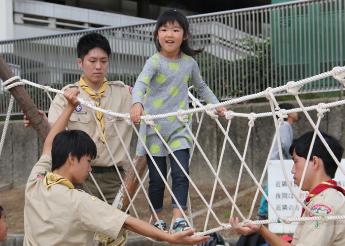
<point>70,86</point>
<point>117,83</point>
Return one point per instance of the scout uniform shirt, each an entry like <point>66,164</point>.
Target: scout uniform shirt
<point>323,233</point>
<point>61,215</point>
<point>116,98</point>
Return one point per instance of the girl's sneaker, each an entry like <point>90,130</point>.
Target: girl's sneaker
<point>180,225</point>
<point>161,225</point>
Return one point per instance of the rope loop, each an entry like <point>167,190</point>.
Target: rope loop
<point>10,80</point>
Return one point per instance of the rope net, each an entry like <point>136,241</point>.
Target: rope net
<point>205,207</point>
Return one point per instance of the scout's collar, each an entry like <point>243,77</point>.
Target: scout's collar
<point>52,179</point>
<point>321,187</point>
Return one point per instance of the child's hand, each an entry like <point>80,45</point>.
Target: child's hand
<point>71,95</point>
<point>136,111</point>
<point>27,123</point>
<point>221,111</point>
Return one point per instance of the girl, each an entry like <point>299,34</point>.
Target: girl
<point>162,87</point>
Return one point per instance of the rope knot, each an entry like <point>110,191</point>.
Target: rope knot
<point>209,109</point>
<point>282,114</point>
<point>251,118</point>
<point>128,119</point>
<point>229,115</point>
<point>321,110</point>
<point>339,74</point>
<point>149,122</point>
<point>293,88</point>
<point>270,97</point>
<point>182,116</point>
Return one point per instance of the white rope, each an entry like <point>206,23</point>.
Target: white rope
<point>288,87</point>
<point>7,121</point>
<point>281,160</point>
<point>262,177</point>
<point>264,222</point>
<point>251,125</point>
<point>277,114</point>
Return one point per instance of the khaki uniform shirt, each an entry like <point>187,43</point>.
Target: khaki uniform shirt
<point>323,233</point>
<point>117,98</point>
<point>61,216</point>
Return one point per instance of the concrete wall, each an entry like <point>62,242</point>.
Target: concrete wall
<point>22,147</point>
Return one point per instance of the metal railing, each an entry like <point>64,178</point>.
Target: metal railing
<point>245,51</point>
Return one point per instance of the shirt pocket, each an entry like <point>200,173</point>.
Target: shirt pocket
<point>81,121</point>
<point>109,124</point>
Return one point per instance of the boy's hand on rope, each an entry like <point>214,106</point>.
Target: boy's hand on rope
<point>187,237</point>
<point>221,111</point>
<point>71,95</point>
<point>136,111</point>
<point>27,123</point>
<point>243,229</point>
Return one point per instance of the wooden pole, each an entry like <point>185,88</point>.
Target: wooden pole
<point>131,181</point>
<point>25,102</point>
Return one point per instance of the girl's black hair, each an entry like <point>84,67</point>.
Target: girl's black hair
<point>170,16</point>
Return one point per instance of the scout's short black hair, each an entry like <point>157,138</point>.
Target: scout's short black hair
<point>74,142</point>
<point>90,41</point>
<point>301,146</point>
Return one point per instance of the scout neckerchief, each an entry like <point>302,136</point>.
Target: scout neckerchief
<point>52,179</point>
<point>96,96</point>
<point>321,187</point>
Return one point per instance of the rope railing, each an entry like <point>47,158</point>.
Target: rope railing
<point>276,113</point>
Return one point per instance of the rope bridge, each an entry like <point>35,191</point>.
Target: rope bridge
<point>200,110</point>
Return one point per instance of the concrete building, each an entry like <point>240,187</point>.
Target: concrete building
<point>28,18</point>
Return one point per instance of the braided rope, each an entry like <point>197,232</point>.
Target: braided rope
<point>291,87</point>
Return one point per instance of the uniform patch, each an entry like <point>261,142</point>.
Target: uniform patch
<point>321,209</point>
<point>78,108</point>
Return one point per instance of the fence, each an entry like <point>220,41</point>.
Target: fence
<point>245,51</point>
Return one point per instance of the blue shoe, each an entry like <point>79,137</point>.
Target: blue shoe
<point>180,225</point>
<point>161,225</point>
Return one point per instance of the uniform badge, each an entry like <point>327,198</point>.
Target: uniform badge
<point>78,108</point>
<point>320,210</point>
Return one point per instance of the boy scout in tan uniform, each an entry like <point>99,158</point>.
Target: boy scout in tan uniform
<point>116,98</point>
<point>93,58</point>
<point>56,213</point>
<point>328,202</point>
<point>325,196</point>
